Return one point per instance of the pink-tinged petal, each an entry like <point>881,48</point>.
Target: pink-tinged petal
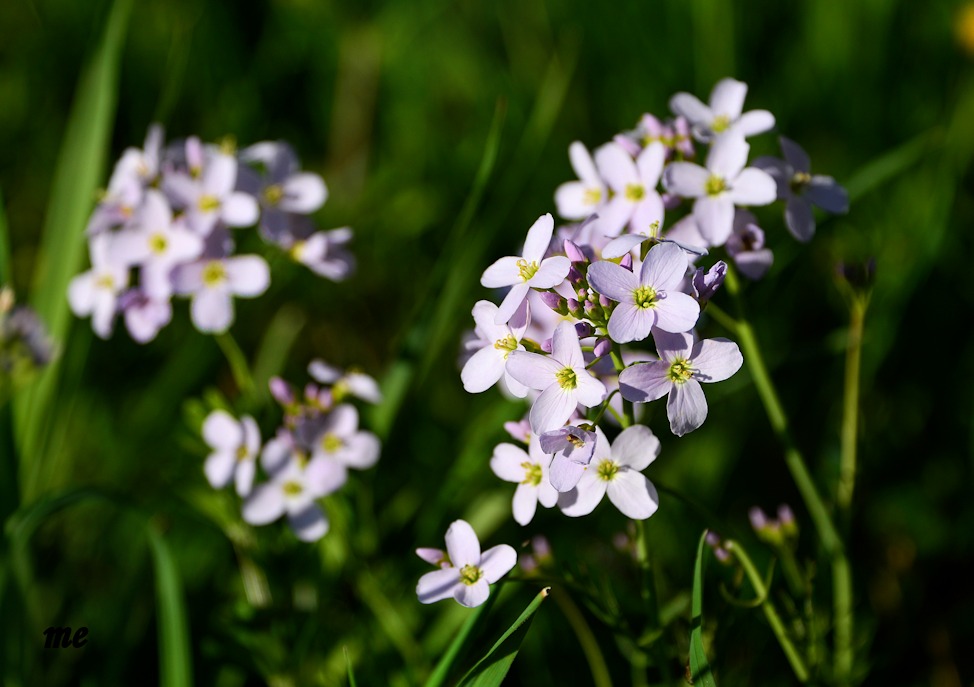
<point>645,382</point>
<point>727,156</point>
<point>564,473</point>
<point>715,360</point>
<point>799,219</point>
<point>551,272</point>
<point>524,503</point>
<point>650,164</point>
<point>664,267</point>
<point>614,216</point>
<point>462,544</point>
<point>515,387</point>
<point>616,166</point>
<point>512,303</point>
<point>244,477</point>
<point>685,179</point>
<point>304,193</point>
<point>647,213</point>
<point>795,155</point>
<point>309,524</point>
<point>81,294</point>
<point>552,409</point>
<point>506,462</point>
<point>497,561</point>
<point>678,312</point>
<point>673,345</point>
<point>690,106</point>
<point>686,407</point>
<point>483,370</point>
<point>715,218</point>
<point>504,272</point>
<point>565,346</point>
<point>574,201</point>
<point>219,468</point>
<point>539,238</point>
<point>432,556</point>
<point>612,281</point>
<point>361,451</point>
<point>590,391</point>
<point>324,476</point>
<point>824,192</point>
<point>621,245</point>
<point>222,431</point>
<point>753,187</point>
<point>248,275</point>
<point>633,494</point>
<point>212,310</point>
<point>754,122</point>
<point>534,370</point>
<point>583,165</point>
<point>188,278</point>
<point>586,495</point>
<point>265,504</point>
<point>636,447</point>
<point>754,264</point>
<point>239,210</point>
<point>472,595</point>
<point>629,322</point>
<point>437,585</point>
<point>219,175</point>
<point>727,98</point>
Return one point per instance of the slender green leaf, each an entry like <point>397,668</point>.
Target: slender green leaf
<point>447,661</point>
<point>700,672</point>
<point>175,669</point>
<point>281,334</point>
<point>492,668</point>
<point>348,664</point>
<point>6,267</point>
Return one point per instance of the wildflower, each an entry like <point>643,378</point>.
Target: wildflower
<point>720,186</point>
<point>496,342</point>
<point>519,431</point>
<point>529,470</point>
<point>96,291</point>
<point>649,300</point>
<point>532,270</point>
<point>350,383</point>
<point>213,282</point>
<point>144,316</point>
<point>208,196</point>
<point>636,201</point>
<point>340,440</point>
<point>437,557</point>
<point>470,573</point>
<point>572,448</point>
<point>324,253</point>
<point>25,346</point>
<point>723,115</point>
<point>616,470</point>
<point>580,199</point>
<point>746,246</point>
<point>683,364</point>
<point>705,283</point>
<point>235,447</point>
<point>561,377</point>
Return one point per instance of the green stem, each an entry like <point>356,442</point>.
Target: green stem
<point>603,407</point>
<point>827,533</point>
<point>586,638</point>
<point>238,363</point>
<point>627,414</point>
<point>770,612</point>
<point>793,576</point>
<point>850,409</point>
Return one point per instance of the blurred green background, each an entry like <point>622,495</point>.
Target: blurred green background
<point>393,102</point>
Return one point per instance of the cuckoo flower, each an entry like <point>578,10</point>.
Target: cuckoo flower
<point>720,186</point>
<point>802,189</point>
<point>144,316</point>
<point>209,196</point>
<point>345,383</point>
<point>470,573</point>
<point>616,470</point>
<point>340,440</point>
<point>683,364</point>
<point>235,447</point>
<point>746,246</point>
<point>532,270</point>
<point>213,283</point>
<point>529,470</point>
<point>324,253</point>
<point>650,299</point>
<point>96,291</point>
<point>580,199</point>
<point>636,201</point>
<point>495,343</point>
<point>561,377</point>
<point>723,115</point>
<point>572,448</point>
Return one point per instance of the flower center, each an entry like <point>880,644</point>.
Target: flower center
<point>208,203</point>
<point>331,442</point>
<point>158,243</point>
<point>575,441</point>
<point>532,473</point>
<point>242,453</point>
<point>607,469</point>
<point>592,196</point>
<point>680,371</point>
<point>635,192</point>
<point>566,378</point>
<point>720,123</point>
<point>715,185</point>
<point>799,181</point>
<point>645,297</point>
<point>470,574</point>
<point>526,269</point>
<point>292,488</point>
<point>507,344</point>
<point>214,273</point>
<point>105,281</point>
<point>273,194</point>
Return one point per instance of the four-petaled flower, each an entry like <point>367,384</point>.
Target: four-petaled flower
<point>529,470</point>
<point>723,115</point>
<point>636,201</point>
<point>235,447</point>
<point>213,282</point>
<point>580,199</point>
<point>495,342</point>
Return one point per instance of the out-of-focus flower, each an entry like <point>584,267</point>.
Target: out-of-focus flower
<point>345,383</point>
<point>324,253</point>
<point>144,316</point>
<point>340,440</point>
<point>572,448</point>
<point>746,246</point>
<point>25,347</point>
<point>580,199</point>
<point>209,197</point>
<point>213,283</point>
<point>635,201</point>
<point>470,574</point>
<point>96,291</point>
<point>723,115</point>
<point>235,447</point>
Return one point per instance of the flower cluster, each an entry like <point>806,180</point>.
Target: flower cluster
<point>308,457</point>
<point>25,347</point>
<point>166,226</point>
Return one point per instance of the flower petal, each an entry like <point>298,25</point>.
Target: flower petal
<point>482,371</point>
<point>586,495</point>
<point>504,272</point>
<point>690,106</point>
<point>636,447</point>
<point>472,595</point>
<point>539,238</point>
<point>583,164</point>
<point>590,390</point>
<point>727,156</point>
<point>265,504</point>
<point>616,166</point>
<point>219,468</point>
<point>497,561</point>
<point>565,346</point>
<point>552,409</point>
<point>525,503</point>
<point>564,473</point>
<point>715,360</point>
<point>664,267</point>
<point>304,193</point>
<point>534,370</point>
<point>754,122</point>
<point>629,322</point>
<point>248,275</point>
<point>678,312</point>
<point>551,272</point>
<point>685,179</point>
<point>507,462</point>
<point>309,524</point>
<point>239,210</point>
<point>645,382</point>
<point>828,195</point>
<point>437,585</point>
<point>462,544</point>
<point>511,303</point>
<point>799,219</point>
<point>686,407</point>
<point>221,430</point>
<point>715,218</point>
<point>753,187</point>
<point>212,310</point>
<point>727,98</point>
<point>612,281</point>
<point>633,494</point>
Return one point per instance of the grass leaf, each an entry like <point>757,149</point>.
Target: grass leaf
<point>700,672</point>
<point>175,669</point>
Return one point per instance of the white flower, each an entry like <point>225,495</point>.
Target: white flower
<point>96,291</point>
<point>339,440</point>
<point>235,446</point>
<point>579,199</point>
<point>723,115</point>
<point>529,470</point>
<point>494,344</point>
<point>350,382</point>
<point>636,201</point>
<point>214,282</point>
<point>469,574</point>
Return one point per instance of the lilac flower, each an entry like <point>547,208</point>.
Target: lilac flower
<point>582,198</point>
<point>324,253</point>
<point>210,198</point>
<point>470,574</point>
<point>340,440</point>
<point>561,377</point>
<point>520,430</point>
<point>636,201</point>
<point>718,188</point>
<point>746,246</point>
<point>723,115</point>
<point>496,342</point>
<point>235,447</point>
<point>705,283</point>
<point>573,448</point>
<point>435,557</point>
<point>649,300</point>
<point>529,470</point>
<point>616,470</point>
<point>96,291</point>
<point>350,383</point>
<point>674,135</point>
<point>683,364</point>
<point>144,316</point>
<point>802,189</point>
<point>531,270</point>
<point>121,199</point>
<point>214,282</point>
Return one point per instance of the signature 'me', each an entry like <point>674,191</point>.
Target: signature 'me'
<point>60,638</point>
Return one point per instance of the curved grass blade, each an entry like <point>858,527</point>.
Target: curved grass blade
<point>447,661</point>
<point>491,669</point>
<point>700,672</point>
<point>175,669</point>
<point>348,664</point>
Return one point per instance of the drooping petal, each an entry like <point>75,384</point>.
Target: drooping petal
<point>437,585</point>
<point>497,561</point>
<point>551,272</point>
<point>507,462</point>
<point>715,218</point>
<point>304,193</point>
<point>248,275</point>
<point>534,370</point>
<point>799,219</point>
<point>686,179</point>
<point>472,595</point>
<point>539,237</point>
<point>629,322</point>
<point>483,370</point>
<point>753,187</point>
<point>586,495</point>
<point>462,544</point>
<point>219,468</point>
<point>715,360</point>
<point>265,504</point>
<point>222,431</point>
<point>645,382</point>
<point>678,312</point>
<point>525,503</point>
<point>309,524</point>
<point>727,156</point>
<point>612,281</point>
<point>686,407</point>
<point>633,494</point>
<point>504,272</point>
<point>552,409</point>
<point>636,447</point>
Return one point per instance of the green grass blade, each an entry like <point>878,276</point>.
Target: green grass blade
<point>447,661</point>
<point>79,172</point>
<point>175,669</point>
<point>348,664</point>
<point>492,668</point>
<point>700,672</point>
<point>6,268</point>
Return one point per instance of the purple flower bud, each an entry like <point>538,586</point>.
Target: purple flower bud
<point>583,329</point>
<point>758,519</point>
<point>573,305</point>
<point>582,294</point>
<point>626,261</point>
<point>603,301</point>
<point>722,554</point>
<point>281,391</point>
<point>602,347</point>
<point>546,345</point>
<point>705,284</point>
<point>713,539</point>
<point>573,252</point>
<point>785,515</point>
<point>574,276</point>
<point>553,301</point>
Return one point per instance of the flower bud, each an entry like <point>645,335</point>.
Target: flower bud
<point>583,329</point>
<point>555,302</point>
<point>281,391</point>
<point>574,276</point>
<point>546,345</point>
<point>573,252</point>
<point>602,347</point>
